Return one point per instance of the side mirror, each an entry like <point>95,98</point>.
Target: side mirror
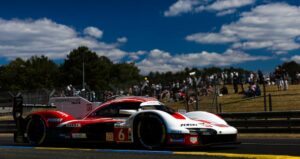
<point>127,112</point>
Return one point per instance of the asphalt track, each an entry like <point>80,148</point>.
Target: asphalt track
<point>250,148</point>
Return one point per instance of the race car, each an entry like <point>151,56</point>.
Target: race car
<point>143,121</point>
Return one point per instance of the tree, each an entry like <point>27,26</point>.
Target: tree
<point>41,73</point>
<point>292,68</point>
<point>96,69</point>
<point>100,73</point>
<point>13,75</point>
<point>35,73</point>
<point>124,75</point>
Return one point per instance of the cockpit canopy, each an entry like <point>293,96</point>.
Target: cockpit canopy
<point>125,109</point>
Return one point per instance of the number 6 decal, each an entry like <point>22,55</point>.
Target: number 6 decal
<point>121,135</point>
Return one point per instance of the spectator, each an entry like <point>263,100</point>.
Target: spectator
<point>278,77</point>
<point>251,77</point>
<point>130,91</point>
<point>158,88</point>
<point>285,80</point>
<point>260,77</point>
<point>242,80</point>
<point>298,77</point>
<point>136,90</point>
<point>145,87</point>
<point>253,90</point>
<point>235,83</point>
<point>257,90</point>
<point>224,90</point>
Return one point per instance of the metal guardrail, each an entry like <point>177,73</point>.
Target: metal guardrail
<point>265,122</point>
<point>7,126</point>
<point>5,114</point>
<point>253,122</point>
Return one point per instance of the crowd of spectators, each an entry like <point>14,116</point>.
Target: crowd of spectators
<point>248,84</point>
<point>202,85</point>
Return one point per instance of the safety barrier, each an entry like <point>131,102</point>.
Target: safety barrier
<point>256,122</point>
<point>7,126</point>
<point>264,122</point>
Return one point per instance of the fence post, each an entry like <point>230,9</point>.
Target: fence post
<point>220,108</point>
<point>17,107</point>
<point>187,103</point>
<point>270,102</point>
<point>217,108</point>
<point>197,97</point>
<point>265,96</point>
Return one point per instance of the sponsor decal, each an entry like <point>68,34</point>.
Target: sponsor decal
<point>79,136</point>
<point>109,136</point>
<point>194,139</point>
<point>65,136</point>
<point>73,125</point>
<point>54,120</point>
<point>188,124</point>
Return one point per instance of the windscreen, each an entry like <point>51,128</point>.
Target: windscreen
<point>159,107</point>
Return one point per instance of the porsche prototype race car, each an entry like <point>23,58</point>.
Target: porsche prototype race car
<point>142,121</point>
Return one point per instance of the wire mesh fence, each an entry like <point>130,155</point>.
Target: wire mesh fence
<point>275,100</point>
<point>270,100</point>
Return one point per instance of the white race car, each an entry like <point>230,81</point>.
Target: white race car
<point>142,121</point>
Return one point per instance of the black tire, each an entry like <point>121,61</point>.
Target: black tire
<point>36,131</point>
<point>149,131</point>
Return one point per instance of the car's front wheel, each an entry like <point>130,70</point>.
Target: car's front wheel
<point>149,131</point>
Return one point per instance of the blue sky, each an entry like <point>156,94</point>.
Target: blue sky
<point>158,35</point>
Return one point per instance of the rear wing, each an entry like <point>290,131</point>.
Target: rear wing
<point>77,106</point>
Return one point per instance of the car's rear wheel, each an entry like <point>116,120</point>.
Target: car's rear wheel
<point>36,131</point>
<point>149,131</point>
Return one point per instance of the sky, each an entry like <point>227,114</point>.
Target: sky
<point>157,35</point>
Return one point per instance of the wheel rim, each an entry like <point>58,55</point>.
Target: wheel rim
<point>36,131</point>
<point>151,132</point>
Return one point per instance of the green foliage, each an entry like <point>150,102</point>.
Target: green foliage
<point>100,72</point>
<point>72,68</point>
<point>35,73</point>
<point>40,72</point>
<point>13,76</point>
<point>124,75</point>
<point>292,68</point>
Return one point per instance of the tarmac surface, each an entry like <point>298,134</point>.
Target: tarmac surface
<point>249,148</point>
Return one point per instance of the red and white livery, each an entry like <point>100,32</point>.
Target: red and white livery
<point>142,121</point>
